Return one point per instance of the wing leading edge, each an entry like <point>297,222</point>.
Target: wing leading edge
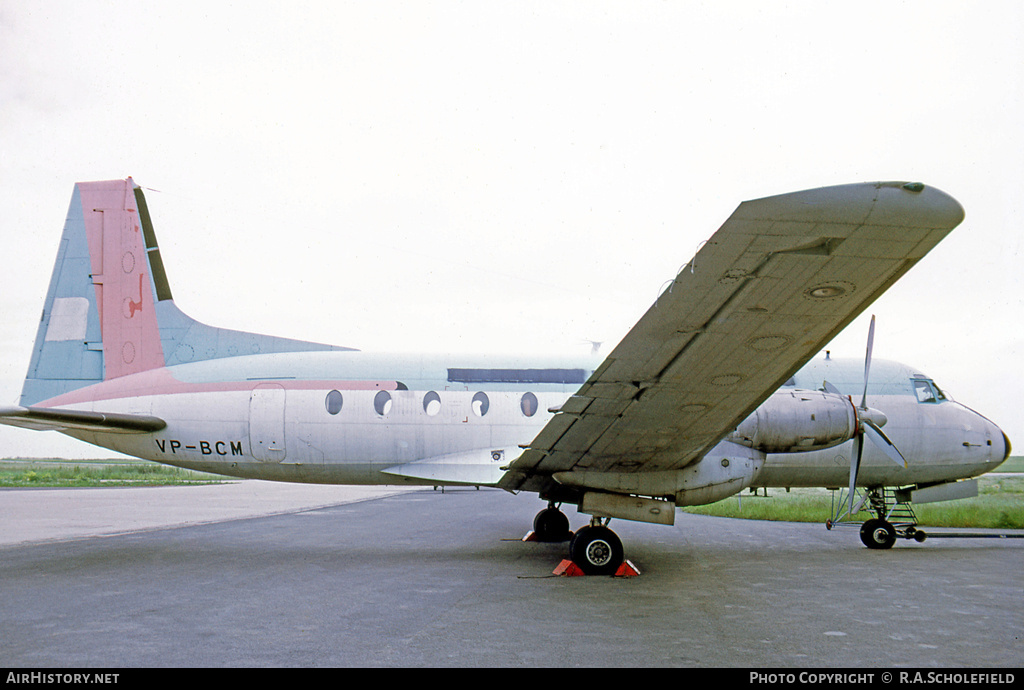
<point>779,280</point>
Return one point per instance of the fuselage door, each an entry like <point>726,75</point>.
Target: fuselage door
<point>266,422</point>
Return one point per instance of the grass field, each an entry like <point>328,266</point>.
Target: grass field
<point>71,473</point>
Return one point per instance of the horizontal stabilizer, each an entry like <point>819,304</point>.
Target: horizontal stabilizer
<point>476,468</point>
<point>51,419</point>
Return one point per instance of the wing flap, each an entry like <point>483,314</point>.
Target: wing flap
<point>781,278</point>
<point>53,419</point>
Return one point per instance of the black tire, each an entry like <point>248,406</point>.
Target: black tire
<point>596,550</point>
<point>551,525</point>
<point>580,533</point>
<point>877,534</point>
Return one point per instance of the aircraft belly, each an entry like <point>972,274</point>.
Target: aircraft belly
<point>809,477</point>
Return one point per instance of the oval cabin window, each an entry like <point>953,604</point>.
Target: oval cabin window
<point>334,402</point>
<point>480,404</point>
<point>432,403</point>
<point>382,403</point>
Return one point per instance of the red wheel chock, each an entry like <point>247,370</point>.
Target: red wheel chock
<point>569,569</point>
<point>627,569</point>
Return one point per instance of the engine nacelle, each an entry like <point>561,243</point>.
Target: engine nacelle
<point>793,421</point>
<point>726,470</point>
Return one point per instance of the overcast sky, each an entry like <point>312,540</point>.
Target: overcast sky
<point>509,176</point>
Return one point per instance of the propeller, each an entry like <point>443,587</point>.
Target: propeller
<point>869,423</point>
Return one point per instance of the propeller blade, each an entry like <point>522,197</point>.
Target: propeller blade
<point>867,427</point>
<point>867,361</point>
<point>858,445</point>
<point>879,438</point>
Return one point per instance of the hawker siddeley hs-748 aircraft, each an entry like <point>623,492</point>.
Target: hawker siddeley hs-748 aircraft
<point>708,394</point>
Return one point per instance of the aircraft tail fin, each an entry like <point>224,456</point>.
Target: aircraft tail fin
<point>109,311</point>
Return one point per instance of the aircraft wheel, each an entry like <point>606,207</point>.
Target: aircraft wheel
<point>877,534</point>
<point>576,535</point>
<point>551,524</point>
<point>914,533</point>
<point>596,550</point>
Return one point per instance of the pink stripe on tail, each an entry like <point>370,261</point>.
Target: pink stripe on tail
<point>121,276</point>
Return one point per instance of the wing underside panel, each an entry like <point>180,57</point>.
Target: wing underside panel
<point>779,280</point>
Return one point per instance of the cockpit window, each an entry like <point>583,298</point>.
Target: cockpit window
<point>927,392</point>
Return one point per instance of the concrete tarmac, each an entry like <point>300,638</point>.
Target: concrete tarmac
<point>259,574</point>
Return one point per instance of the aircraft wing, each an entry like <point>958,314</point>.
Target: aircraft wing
<point>54,419</point>
<point>778,281</point>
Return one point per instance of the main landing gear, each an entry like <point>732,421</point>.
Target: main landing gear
<point>594,549</point>
<point>551,525</point>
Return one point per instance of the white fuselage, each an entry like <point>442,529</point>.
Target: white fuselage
<point>352,418</point>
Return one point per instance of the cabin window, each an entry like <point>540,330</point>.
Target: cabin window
<point>333,402</point>
<point>480,404</point>
<point>528,404</point>
<point>382,402</point>
<point>432,403</point>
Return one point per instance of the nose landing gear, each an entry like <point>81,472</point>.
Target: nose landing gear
<point>893,519</point>
<point>877,534</point>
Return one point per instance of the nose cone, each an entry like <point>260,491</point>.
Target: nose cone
<point>983,441</point>
<point>1006,443</point>
<point>998,443</point>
